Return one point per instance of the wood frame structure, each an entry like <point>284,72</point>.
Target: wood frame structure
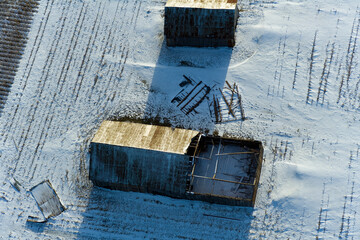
<point>249,183</point>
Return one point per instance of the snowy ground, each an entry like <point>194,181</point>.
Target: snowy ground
<point>295,63</point>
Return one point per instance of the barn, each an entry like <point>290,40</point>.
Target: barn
<point>175,162</point>
<point>200,23</point>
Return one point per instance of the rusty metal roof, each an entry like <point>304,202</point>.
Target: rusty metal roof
<point>144,136</point>
<point>209,4</point>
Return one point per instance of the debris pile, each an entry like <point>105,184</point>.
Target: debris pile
<point>47,199</point>
<point>227,105</point>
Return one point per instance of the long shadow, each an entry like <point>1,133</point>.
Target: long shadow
<point>129,215</point>
<point>183,84</point>
<point>36,227</point>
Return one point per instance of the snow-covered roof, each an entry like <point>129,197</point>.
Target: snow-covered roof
<point>145,136</point>
<point>210,4</point>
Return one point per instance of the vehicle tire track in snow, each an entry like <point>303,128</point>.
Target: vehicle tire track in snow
<point>33,54</point>
<point>87,54</point>
<point>109,36</point>
<point>113,84</point>
<point>60,84</point>
<point>106,71</point>
<point>110,33</point>
<point>69,65</point>
<point>29,66</point>
<point>89,64</point>
<point>123,60</point>
<point>41,86</point>
<point>20,117</point>
<point>42,81</point>
<point>116,75</point>
<point>56,99</point>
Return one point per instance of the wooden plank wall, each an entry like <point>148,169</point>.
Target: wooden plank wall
<point>200,27</point>
<point>140,170</point>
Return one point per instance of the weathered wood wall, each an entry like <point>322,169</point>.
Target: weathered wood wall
<point>200,27</point>
<point>222,200</point>
<point>258,171</point>
<point>140,170</point>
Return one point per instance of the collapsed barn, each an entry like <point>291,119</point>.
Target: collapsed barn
<point>175,162</point>
<point>199,23</point>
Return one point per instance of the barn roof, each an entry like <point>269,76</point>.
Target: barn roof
<point>145,136</point>
<point>209,4</point>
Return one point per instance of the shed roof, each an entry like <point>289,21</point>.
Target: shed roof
<point>145,136</point>
<point>209,4</point>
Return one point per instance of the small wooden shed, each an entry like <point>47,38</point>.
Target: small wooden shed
<point>200,23</point>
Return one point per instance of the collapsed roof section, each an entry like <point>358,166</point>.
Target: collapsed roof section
<point>225,171</point>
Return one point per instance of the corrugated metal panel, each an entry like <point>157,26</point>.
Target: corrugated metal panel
<point>137,135</point>
<point>213,4</point>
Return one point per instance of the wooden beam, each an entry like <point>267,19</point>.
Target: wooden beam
<point>222,180</point>
<point>235,219</point>
<point>231,111</point>
<point>232,95</point>
<point>215,109</point>
<point>219,109</point>
<point>240,104</point>
<point>217,160</point>
<point>228,85</point>
<point>235,153</point>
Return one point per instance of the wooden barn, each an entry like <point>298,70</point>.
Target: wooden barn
<point>200,23</point>
<point>175,162</point>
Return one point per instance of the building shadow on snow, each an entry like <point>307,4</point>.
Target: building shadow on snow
<point>184,82</point>
<point>114,214</point>
<point>36,227</point>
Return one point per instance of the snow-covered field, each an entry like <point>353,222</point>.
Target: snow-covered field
<point>296,65</point>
